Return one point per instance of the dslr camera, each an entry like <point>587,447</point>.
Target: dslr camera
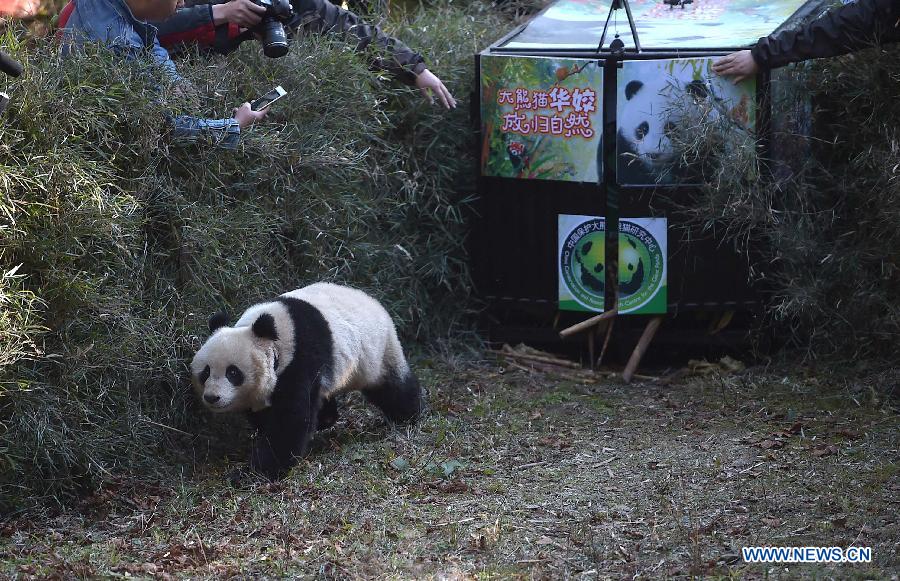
<point>274,36</point>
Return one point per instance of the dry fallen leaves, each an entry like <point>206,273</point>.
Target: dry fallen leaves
<point>770,444</point>
<point>821,450</point>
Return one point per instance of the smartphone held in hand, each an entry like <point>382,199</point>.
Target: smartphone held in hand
<point>267,99</point>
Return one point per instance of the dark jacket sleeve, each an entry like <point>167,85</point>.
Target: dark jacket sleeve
<point>185,19</point>
<point>850,27</point>
<point>321,16</point>
<point>190,24</point>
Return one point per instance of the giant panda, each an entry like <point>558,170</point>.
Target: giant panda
<point>644,149</point>
<point>285,361</point>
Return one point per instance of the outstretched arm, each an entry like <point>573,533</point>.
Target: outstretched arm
<point>197,23</point>
<point>408,66</point>
<point>225,132</point>
<point>118,30</point>
<point>850,27</point>
<point>321,16</point>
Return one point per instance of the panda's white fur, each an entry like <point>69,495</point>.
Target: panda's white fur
<point>284,361</point>
<point>365,340</point>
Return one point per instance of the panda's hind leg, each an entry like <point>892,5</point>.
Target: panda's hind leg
<point>399,397</point>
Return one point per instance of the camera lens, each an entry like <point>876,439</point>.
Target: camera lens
<point>275,42</point>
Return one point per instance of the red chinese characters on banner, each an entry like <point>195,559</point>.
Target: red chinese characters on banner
<point>568,112</point>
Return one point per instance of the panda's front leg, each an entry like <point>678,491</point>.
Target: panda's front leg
<point>283,435</point>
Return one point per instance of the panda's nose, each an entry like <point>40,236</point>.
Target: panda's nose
<point>211,398</point>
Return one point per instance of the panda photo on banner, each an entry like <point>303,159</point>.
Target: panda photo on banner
<point>658,98</point>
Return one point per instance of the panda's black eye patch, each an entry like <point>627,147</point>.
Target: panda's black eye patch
<point>204,375</point>
<point>234,375</point>
<point>642,130</point>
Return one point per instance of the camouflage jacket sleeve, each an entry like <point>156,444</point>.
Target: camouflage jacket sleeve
<point>321,17</point>
<point>850,27</point>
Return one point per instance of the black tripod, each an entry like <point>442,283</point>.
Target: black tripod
<point>617,46</point>
<point>11,67</point>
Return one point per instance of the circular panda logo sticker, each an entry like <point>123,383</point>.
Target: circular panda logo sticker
<point>641,266</point>
<point>583,265</point>
<point>583,262</point>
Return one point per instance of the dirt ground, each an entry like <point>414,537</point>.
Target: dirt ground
<point>518,474</point>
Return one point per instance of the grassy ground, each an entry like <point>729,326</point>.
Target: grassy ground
<point>520,475</point>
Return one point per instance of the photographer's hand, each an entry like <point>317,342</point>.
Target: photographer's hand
<point>430,85</point>
<point>244,13</point>
<point>245,116</point>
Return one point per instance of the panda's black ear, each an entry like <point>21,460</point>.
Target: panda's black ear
<point>264,327</point>
<point>632,88</point>
<point>698,89</point>
<point>218,321</point>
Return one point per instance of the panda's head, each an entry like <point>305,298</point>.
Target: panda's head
<point>651,111</point>
<point>235,369</point>
<point>644,125</point>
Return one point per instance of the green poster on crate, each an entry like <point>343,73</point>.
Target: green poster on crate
<point>541,118</point>
<point>642,264</point>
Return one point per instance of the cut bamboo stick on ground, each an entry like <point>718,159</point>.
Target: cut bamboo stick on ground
<point>584,375</point>
<point>641,348</point>
<point>588,323</point>
<point>509,352</point>
<point>556,372</point>
<point>523,348</point>
<point>591,342</point>
<point>609,330</point>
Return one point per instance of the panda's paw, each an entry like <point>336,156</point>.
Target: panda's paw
<point>328,414</point>
<point>243,477</point>
<point>239,477</point>
<point>264,464</point>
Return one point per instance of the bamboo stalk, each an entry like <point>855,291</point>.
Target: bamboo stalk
<point>588,323</point>
<point>640,348</point>
<point>591,342</point>
<point>609,329</point>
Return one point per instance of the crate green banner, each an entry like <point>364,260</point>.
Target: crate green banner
<point>541,118</point>
<point>643,264</point>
